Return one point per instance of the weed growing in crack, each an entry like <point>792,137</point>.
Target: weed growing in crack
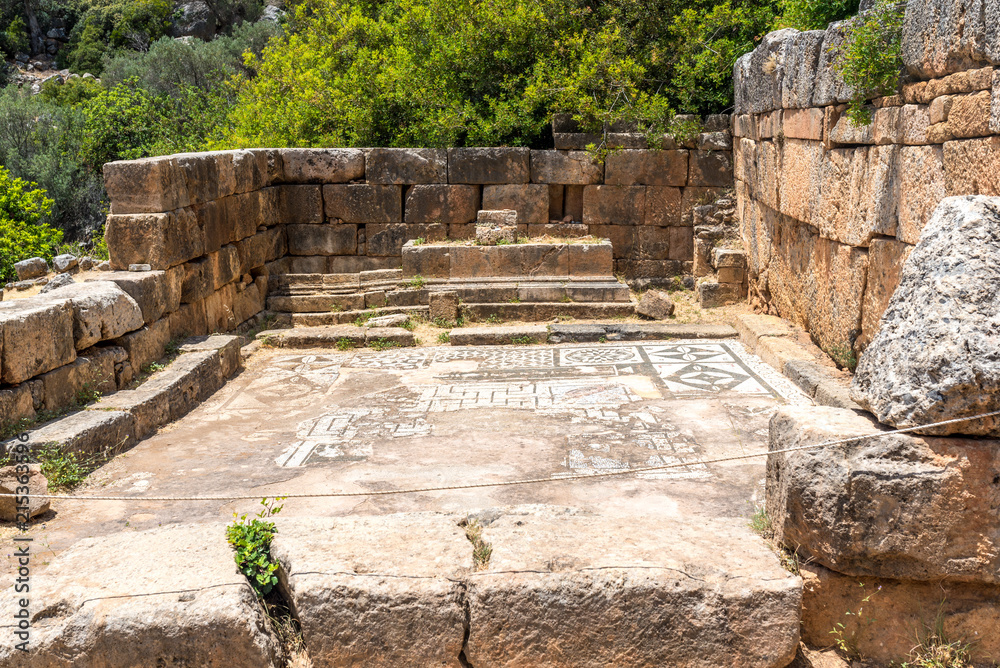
<point>846,639</point>
<point>382,344</point>
<point>251,539</point>
<point>934,650</point>
<point>522,340</point>
<point>760,523</point>
<point>494,319</point>
<point>344,344</point>
<point>444,337</point>
<point>481,550</point>
<point>62,469</point>
<point>417,282</point>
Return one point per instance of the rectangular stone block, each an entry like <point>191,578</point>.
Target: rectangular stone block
<point>187,381</point>
<point>622,237</point>
<point>650,168</point>
<point>250,170</point>
<point>972,167</point>
<point>916,121</point>
<point>970,115</point>
<point>16,404</point>
<point>859,195</point>
<point>710,168</point>
<point>575,140</point>
<point>101,311</point>
<point>150,409</point>
<point>426,261</point>
<point>801,178</point>
<point>215,222</point>
<point>888,126</point>
<point>188,320</point>
<point>681,244</point>
<point>590,259</point>
<point>803,124</point>
<point>446,204</point>
<point>147,288</point>
<point>885,264</point>
<point>37,337</point>
<point>565,167</point>
<point>530,201</point>
<point>545,259</point>
<point>663,206</point>
<point>444,305</point>
<point>151,185</point>
<point>616,205</point>
<point>92,371</point>
<point>261,248</point>
<point>921,188</point>
<point>313,264</point>
<point>653,243</point>
<point>301,205</point>
<point>271,211</point>
<point>322,165</point>
<point>199,280</point>
<point>96,433</point>
<point>407,165</point>
<point>226,266</point>
<point>160,240</point>
<point>202,178</point>
<point>489,165</point>
<point>145,345</point>
<point>363,203</point>
<point>327,239</point>
<point>388,240</point>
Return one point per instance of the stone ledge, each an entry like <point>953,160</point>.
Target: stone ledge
<point>330,336</point>
<point>498,336</point>
<point>636,332</point>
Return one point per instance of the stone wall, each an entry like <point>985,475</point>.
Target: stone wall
<point>829,212</point>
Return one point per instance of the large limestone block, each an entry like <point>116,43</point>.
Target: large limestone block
<point>94,371</point>
<point>570,590</point>
<point>886,258</point>
<point>762,75</point>
<point>802,175</point>
<point>426,261</point>
<point>322,165</point>
<point>147,288</point>
<point>614,205</point>
<point>565,167</point>
<point>407,165</point>
<point>168,596</point>
<point>742,91</point>
<point>16,403</point>
<point>262,248</point>
<point>710,169</point>
<point>531,201</point>
<point>34,267</point>
<point>934,357</point>
<point>858,196</point>
<point>37,337</point>
<point>446,204</point>
<point>664,206</point>
<point>803,124</point>
<point>965,612</point>
<point>969,115</point>
<point>972,167</point>
<point>377,591</point>
<point>92,434</point>
<point>250,170</point>
<point>332,239</point>
<point>145,345</point>
<point>829,87</point>
<point>489,165</point>
<point>301,205</point>
<point>188,380</point>
<point>363,203</point>
<point>921,188</point>
<point>160,240</point>
<point>202,176</point>
<point>151,185</point>
<point>898,506</point>
<point>945,36</point>
<point>27,481</point>
<point>800,66</point>
<point>101,311</point>
<point>646,168</point>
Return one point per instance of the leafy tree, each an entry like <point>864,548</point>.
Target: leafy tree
<point>21,234</point>
<point>815,14</point>
<point>121,123</point>
<point>870,58</point>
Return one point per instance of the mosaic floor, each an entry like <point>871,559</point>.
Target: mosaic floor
<point>579,384</point>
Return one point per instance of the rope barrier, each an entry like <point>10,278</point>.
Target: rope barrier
<point>510,483</point>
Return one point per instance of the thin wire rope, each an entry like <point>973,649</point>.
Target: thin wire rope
<point>510,483</point>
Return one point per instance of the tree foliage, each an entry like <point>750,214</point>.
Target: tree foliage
<point>22,206</point>
<point>870,58</point>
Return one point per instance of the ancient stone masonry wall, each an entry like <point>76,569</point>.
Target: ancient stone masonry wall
<point>216,228</point>
<point>829,212</point>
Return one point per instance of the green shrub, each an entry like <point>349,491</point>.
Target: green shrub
<point>870,58</point>
<point>74,92</point>
<point>21,234</point>
<point>815,14</point>
<point>251,539</point>
<point>14,38</point>
<point>122,123</point>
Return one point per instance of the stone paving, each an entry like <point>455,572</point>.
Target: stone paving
<point>318,420</point>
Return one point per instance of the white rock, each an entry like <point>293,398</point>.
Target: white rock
<point>395,320</point>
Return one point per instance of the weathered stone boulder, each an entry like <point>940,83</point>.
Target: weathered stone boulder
<point>31,268</point>
<point>565,167</point>
<point>407,165</point>
<point>169,596</point>
<point>656,305</point>
<point>377,591</point>
<point>898,506</point>
<point>101,311</point>
<point>800,67</point>
<point>829,87</point>
<point>65,263</point>
<point>13,481</point>
<point>60,281</point>
<point>937,353</point>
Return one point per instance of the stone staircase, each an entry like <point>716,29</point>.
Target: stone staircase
<point>310,300</point>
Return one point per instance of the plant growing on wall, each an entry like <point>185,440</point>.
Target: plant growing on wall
<point>870,58</point>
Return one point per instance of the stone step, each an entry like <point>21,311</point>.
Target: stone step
<point>343,317</point>
<point>483,293</point>
<point>538,311</point>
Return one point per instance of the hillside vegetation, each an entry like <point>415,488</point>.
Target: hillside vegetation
<point>159,78</point>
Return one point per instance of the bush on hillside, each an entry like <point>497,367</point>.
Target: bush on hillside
<point>21,234</point>
<point>107,25</point>
<point>870,59</point>
<point>815,14</point>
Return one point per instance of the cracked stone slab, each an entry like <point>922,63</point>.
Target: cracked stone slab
<point>377,591</point>
<point>591,591</point>
<point>166,597</point>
